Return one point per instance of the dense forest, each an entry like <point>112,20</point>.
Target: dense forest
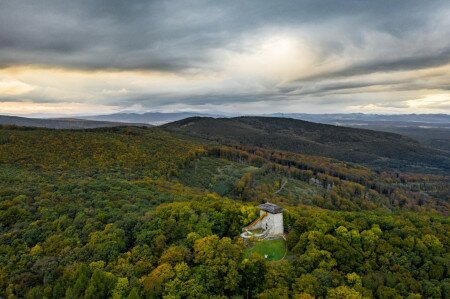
<point>380,150</point>
<point>133,212</point>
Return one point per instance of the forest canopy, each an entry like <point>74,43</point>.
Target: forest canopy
<point>145,213</point>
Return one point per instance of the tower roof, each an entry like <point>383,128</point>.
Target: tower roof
<point>271,208</point>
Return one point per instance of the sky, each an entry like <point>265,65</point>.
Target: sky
<point>92,57</point>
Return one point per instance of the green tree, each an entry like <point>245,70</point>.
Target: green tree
<point>343,292</point>
<point>253,272</point>
<point>307,283</point>
<point>183,285</point>
<point>388,293</point>
<point>220,259</point>
<point>81,283</point>
<point>154,282</point>
<point>121,288</point>
<point>134,294</point>
<point>101,285</point>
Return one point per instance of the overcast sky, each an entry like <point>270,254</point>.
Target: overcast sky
<point>95,57</point>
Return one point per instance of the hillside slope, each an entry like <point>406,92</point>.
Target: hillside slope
<point>61,123</point>
<point>129,150</point>
<point>153,118</point>
<point>430,129</point>
<point>140,212</point>
<point>377,149</point>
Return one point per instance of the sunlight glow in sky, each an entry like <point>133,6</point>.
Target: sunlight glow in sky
<point>97,57</point>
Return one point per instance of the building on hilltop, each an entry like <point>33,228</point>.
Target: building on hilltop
<point>268,225</point>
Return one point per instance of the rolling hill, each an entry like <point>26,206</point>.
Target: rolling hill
<point>430,129</point>
<point>380,150</point>
<point>126,212</point>
<point>153,118</point>
<point>61,123</point>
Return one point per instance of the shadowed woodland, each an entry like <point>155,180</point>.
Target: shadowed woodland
<point>147,213</point>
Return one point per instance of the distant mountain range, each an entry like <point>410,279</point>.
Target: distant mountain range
<point>153,118</point>
<point>157,118</point>
<point>376,149</point>
<point>434,119</point>
<point>430,129</point>
<point>60,123</point>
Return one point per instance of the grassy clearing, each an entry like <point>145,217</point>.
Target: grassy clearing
<point>215,175</point>
<point>274,249</point>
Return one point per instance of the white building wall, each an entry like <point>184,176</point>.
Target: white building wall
<point>277,227</point>
<point>274,222</point>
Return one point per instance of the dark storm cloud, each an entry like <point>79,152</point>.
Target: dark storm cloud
<point>323,54</point>
<point>159,100</point>
<point>440,58</point>
<point>97,34</point>
<point>183,35</point>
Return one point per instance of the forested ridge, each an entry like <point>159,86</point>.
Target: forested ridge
<point>144,213</point>
<point>60,123</point>
<point>376,149</point>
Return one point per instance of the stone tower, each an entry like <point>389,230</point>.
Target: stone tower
<point>273,221</point>
<point>269,224</point>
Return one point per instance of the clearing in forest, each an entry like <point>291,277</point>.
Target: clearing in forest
<point>272,250</point>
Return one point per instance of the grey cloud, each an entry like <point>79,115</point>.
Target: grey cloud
<point>188,36</point>
<point>174,35</point>
<point>318,88</point>
<point>390,65</point>
<point>334,86</point>
<point>153,100</point>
